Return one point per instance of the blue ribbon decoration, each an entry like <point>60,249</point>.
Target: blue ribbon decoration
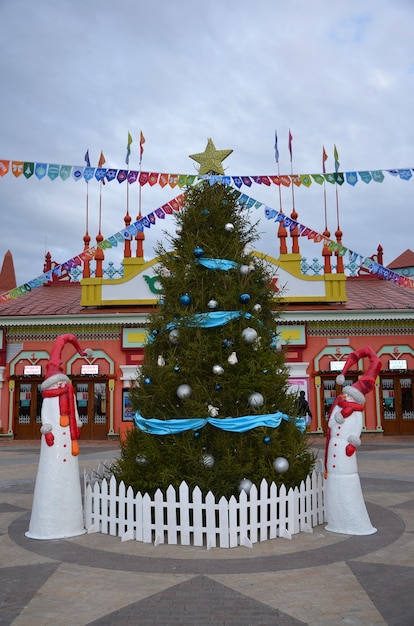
<point>210,319</point>
<point>230,424</point>
<point>217,264</point>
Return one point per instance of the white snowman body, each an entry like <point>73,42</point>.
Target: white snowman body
<point>344,502</point>
<point>57,510</point>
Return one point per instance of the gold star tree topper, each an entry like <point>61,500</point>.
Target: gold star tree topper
<point>210,160</point>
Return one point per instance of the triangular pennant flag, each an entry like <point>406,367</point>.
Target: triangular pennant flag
<point>132,176</point>
<point>153,178</point>
<point>163,180</point>
<point>122,176</point>
<point>237,181</point>
<point>4,167</point>
<point>53,171</point>
<point>351,178</point>
<point>365,177</point>
<point>306,180</point>
<point>40,170</point>
<point>88,173</point>
<point>377,176</point>
<point>318,178</point>
<point>65,171</point>
<point>111,174</point>
<point>17,168</point>
<point>77,173</point>
<point>28,169</point>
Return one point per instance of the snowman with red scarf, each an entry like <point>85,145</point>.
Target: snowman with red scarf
<point>344,503</point>
<point>57,502</point>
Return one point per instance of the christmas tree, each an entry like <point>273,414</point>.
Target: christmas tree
<point>212,396</point>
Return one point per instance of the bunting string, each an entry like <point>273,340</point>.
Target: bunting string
<point>245,201</point>
<point>53,171</point>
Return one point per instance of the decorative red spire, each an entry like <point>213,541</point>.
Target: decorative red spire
<point>7,274</point>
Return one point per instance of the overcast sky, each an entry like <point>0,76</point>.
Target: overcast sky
<point>78,76</point>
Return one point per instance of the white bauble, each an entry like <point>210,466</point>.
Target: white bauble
<point>229,227</point>
<point>212,304</point>
<point>281,464</point>
<point>184,392</point>
<point>256,400</point>
<point>218,370</point>
<point>160,361</point>
<point>244,270</point>
<point>207,460</point>
<point>249,335</point>
<point>257,308</point>
<point>245,485</point>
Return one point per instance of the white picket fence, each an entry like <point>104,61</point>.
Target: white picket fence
<point>187,518</point>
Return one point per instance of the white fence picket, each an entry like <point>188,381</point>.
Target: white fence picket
<point>189,519</point>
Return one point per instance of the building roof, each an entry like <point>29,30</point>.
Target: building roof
<point>366,293</point>
<point>406,259</point>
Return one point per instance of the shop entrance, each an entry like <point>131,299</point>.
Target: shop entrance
<point>91,400</point>
<point>398,404</point>
<point>28,403</point>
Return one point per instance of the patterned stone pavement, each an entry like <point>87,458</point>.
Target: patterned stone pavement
<point>318,578</point>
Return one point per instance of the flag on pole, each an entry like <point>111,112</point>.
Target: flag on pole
<point>336,159</point>
<point>276,149</point>
<point>128,149</point>
<point>141,143</point>
<point>101,163</point>
<point>324,158</point>
<point>290,145</point>
<point>87,161</point>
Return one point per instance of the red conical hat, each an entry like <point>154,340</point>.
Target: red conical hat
<point>54,369</point>
<point>366,383</point>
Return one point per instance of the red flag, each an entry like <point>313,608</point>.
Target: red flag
<point>141,143</point>
<point>324,158</point>
<point>290,145</point>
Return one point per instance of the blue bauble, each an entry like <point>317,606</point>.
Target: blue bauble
<point>196,435</point>
<point>147,381</point>
<point>185,299</point>
<point>265,372</point>
<point>218,387</point>
<point>205,212</point>
<point>226,343</point>
<point>176,368</point>
<point>244,298</point>
<point>155,333</point>
<point>266,439</point>
<point>198,251</point>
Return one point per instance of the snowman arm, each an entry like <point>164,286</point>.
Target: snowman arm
<point>45,428</point>
<point>355,440</point>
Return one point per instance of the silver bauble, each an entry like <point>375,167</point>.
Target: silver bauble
<point>160,361</point>
<point>207,460</point>
<point>174,336</point>
<point>229,227</point>
<point>184,392</point>
<point>281,464</point>
<point>245,485</point>
<point>218,370</point>
<point>244,270</point>
<point>257,308</point>
<point>249,335</point>
<point>256,400</point>
<point>141,459</point>
<point>212,304</point>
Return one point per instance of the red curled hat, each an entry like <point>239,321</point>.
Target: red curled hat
<point>366,383</point>
<point>54,369</point>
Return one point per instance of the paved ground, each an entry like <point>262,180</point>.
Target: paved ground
<point>318,579</point>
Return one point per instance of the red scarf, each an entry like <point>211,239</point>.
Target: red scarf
<point>66,407</point>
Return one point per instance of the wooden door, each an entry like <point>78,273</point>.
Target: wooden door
<point>398,405</point>
<point>27,409</point>
<point>91,400</point>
